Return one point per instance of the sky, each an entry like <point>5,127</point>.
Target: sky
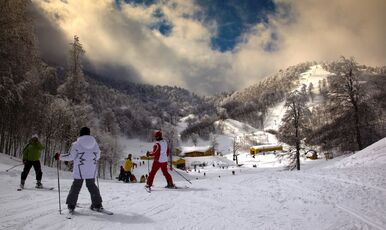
<point>211,46</point>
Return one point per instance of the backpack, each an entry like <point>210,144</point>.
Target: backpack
<point>133,179</point>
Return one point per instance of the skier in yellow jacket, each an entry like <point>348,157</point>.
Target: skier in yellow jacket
<point>127,167</point>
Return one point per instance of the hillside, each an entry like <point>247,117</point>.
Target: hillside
<point>313,76</point>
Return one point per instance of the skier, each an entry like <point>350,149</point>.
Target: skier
<point>160,153</point>
<point>84,152</point>
<point>127,167</point>
<point>31,157</point>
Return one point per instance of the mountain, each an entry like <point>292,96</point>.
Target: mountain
<point>331,123</point>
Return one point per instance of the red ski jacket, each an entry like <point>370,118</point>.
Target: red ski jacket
<point>160,151</point>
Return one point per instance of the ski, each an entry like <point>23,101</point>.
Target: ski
<point>104,211</point>
<point>176,188</point>
<point>165,188</point>
<point>44,188</point>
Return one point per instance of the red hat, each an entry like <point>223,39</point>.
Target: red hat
<point>157,134</point>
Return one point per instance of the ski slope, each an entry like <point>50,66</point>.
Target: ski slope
<point>344,193</point>
<point>314,75</point>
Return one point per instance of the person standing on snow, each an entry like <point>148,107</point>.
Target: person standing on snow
<point>84,152</point>
<point>31,157</point>
<point>127,167</point>
<point>160,153</point>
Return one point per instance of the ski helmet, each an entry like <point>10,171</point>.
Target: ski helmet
<point>157,134</point>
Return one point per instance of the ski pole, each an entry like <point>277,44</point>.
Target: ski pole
<point>57,169</point>
<point>148,169</point>
<point>14,167</point>
<point>182,176</point>
<point>98,181</point>
<point>97,175</point>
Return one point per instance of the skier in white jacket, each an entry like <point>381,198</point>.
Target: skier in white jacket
<point>84,152</point>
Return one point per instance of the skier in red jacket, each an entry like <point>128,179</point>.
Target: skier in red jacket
<point>160,153</point>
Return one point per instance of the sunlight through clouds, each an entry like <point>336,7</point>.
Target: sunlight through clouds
<point>182,54</point>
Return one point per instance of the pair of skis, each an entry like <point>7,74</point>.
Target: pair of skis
<point>71,213</point>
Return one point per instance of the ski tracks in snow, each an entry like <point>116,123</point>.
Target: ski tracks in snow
<point>331,191</point>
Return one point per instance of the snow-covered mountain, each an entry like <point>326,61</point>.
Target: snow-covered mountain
<point>313,76</point>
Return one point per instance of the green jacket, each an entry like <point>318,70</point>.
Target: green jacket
<point>32,152</point>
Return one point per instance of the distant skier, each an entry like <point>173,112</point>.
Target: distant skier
<point>142,179</point>
<point>160,153</point>
<point>31,157</point>
<point>126,169</point>
<point>84,152</point>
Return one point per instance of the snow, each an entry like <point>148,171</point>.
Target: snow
<point>276,113</point>
<point>373,155</point>
<point>188,149</point>
<point>342,193</point>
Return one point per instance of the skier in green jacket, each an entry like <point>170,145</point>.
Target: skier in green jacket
<point>31,157</point>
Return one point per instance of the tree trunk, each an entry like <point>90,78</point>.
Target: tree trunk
<point>297,156</point>
<point>357,127</point>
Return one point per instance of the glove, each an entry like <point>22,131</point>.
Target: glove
<point>147,153</point>
<point>57,156</point>
<point>66,163</point>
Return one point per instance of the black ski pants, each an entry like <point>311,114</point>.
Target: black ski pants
<point>27,167</point>
<point>72,198</point>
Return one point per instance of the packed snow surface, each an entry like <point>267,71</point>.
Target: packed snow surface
<point>343,193</point>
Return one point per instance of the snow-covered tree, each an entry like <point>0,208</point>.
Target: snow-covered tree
<point>194,137</point>
<point>75,86</point>
<point>310,91</point>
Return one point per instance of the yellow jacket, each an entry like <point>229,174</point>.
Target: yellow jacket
<point>128,165</point>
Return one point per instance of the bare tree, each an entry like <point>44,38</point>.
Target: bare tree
<point>237,144</point>
<point>295,122</point>
<point>347,92</point>
<point>194,137</point>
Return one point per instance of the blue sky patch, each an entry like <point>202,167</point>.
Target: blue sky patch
<point>162,24</point>
<point>233,17</point>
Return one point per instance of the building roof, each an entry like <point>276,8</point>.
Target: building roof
<point>189,149</point>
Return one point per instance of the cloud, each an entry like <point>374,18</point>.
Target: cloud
<point>310,30</point>
<point>298,31</point>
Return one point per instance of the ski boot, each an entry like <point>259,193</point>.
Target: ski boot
<point>98,208</point>
<point>39,184</point>
<point>22,184</point>
<point>71,208</point>
<point>170,186</point>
